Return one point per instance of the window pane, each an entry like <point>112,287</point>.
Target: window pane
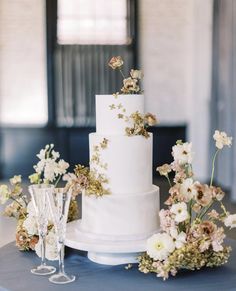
<point>92,22</point>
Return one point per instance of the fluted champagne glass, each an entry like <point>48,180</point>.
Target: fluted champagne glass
<point>59,202</point>
<point>39,199</point>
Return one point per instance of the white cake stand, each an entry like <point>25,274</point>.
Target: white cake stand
<point>103,250</point>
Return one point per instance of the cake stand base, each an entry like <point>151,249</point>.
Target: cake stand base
<point>113,259</point>
<point>104,249</point>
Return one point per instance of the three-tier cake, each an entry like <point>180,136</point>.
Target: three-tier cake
<point>114,227</point>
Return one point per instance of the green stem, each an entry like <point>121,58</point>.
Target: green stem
<point>168,179</point>
<point>122,73</point>
<point>57,181</point>
<point>213,167</point>
<point>17,202</point>
<point>205,211</point>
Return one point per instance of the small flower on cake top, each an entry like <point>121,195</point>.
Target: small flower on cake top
<point>116,62</point>
<point>130,83</point>
<point>191,235</point>
<point>138,122</point>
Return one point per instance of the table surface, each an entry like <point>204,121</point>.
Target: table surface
<point>15,275</point>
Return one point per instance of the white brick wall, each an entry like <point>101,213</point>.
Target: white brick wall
<point>175,43</point>
<point>23,90</point>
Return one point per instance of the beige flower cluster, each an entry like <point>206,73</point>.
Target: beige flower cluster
<point>90,181</point>
<point>131,83</point>
<point>140,123</point>
<point>19,206</point>
<point>192,234</point>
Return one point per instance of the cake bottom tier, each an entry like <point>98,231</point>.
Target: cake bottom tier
<point>121,217</point>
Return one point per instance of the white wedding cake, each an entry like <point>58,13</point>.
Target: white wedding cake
<point>121,221</point>
<point>132,207</point>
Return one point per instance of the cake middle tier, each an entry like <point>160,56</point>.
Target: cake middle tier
<point>126,162</point>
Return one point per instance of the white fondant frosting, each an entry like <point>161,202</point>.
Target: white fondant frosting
<point>121,217</point>
<point>128,160</point>
<point>107,121</point>
<point>129,214</point>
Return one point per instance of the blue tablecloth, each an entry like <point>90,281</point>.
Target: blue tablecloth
<point>15,275</point>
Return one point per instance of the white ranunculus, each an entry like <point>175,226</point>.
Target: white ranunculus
<point>230,221</point>
<point>180,211</point>
<point>182,153</point>
<point>4,194</point>
<point>51,253</point>
<point>222,139</point>
<point>179,238</point>
<point>159,246</point>
<point>187,189</point>
<point>30,224</point>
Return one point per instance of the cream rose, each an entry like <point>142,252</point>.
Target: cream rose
<point>116,62</point>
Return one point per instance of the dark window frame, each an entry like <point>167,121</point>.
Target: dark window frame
<point>51,39</point>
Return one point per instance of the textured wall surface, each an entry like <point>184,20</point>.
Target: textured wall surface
<point>23,90</point>
<point>175,53</point>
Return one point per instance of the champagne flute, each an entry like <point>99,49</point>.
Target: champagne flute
<point>39,199</point>
<point>59,202</point>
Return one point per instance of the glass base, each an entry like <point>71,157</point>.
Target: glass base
<point>43,270</point>
<point>62,278</point>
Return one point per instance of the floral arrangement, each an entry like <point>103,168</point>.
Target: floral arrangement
<point>131,83</point>
<point>138,122</point>
<point>87,180</point>
<point>50,169</point>
<point>192,235</point>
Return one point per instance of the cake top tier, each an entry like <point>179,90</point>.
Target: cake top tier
<point>108,108</point>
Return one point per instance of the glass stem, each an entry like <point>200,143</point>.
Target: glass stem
<point>43,248</point>
<point>61,258</point>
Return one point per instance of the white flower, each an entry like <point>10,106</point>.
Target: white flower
<point>15,180</point>
<point>62,167</point>
<point>42,154</point>
<point>179,238</point>
<point>55,155</point>
<point>4,194</point>
<point>230,221</point>
<point>51,247</point>
<point>159,246</point>
<point>49,170</point>
<point>187,189</point>
<point>136,74</point>
<point>222,139</point>
<point>182,153</point>
<point>180,211</point>
<point>69,177</point>
<point>30,224</point>
<point>40,166</point>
